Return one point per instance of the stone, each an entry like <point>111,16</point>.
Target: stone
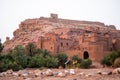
<point>66,71</point>
<point>3,74</point>
<point>116,71</point>
<point>82,73</point>
<point>74,79</point>
<point>49,72</point>
<point>72,71</point>
<point>28,79</point>
<point>9,71</point>
<point>88,75</point>
<point>61,74</point>
<point>55,74</point>
<point>15,74</point>
<point>25,75</point>
<point>99,72</point>
<point>110,73</point>
<point>37,72</point>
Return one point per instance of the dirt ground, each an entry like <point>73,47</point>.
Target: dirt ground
<point>98,73</point>
<point>80,74</point>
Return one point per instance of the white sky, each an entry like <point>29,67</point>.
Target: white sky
<point>12,12</point>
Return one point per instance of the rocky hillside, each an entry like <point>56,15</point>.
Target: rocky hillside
<point>31,30</point>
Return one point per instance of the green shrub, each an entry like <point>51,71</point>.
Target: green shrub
<point>117,62</point>
<point>51,62</point>
<point>1,46</point>
<point>85,63</point>
<point>37,61</point>
<point>7,63</point>
<point>45,53</point>
<point>106,61</point>
<point>109,59</point>
<point>19,55</point>
<point>76,58</point>
<point>62,58</point>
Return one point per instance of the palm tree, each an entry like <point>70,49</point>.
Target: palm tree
<point>31,49</point>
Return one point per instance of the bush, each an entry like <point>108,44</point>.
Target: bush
<point>106,61</point>
<point>109,59</point>
<point>45,53</point>
<point>117,62</point>
<point>51,62</point>
<point>36,61</point>
<point>62,58</point>
<point>76,58</point>
<point>19,56</point>
<point>1,46</point>
<point>7,62</point>
<point>85,63</point>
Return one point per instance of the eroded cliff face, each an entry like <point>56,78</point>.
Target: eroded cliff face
<point>31,30</point>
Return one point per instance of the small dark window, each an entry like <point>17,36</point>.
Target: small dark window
<point>61,44</point>
<point>51,47</point>
<point>67,44</point>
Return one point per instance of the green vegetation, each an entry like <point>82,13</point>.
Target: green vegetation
<point>85,63</point>
<point>62,57</point>
<point>76,58</point>
<point>31,49</point>
<point>112,59</point>
<point>1,46</point>
<point>30,57</point>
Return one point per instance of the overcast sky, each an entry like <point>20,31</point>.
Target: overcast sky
<point>12,12</point>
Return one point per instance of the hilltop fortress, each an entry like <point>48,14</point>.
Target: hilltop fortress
<point>83,38</point>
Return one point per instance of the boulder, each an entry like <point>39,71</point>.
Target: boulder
<point>55,74</point>
<point>81,74</point>
<point>99,72</point>
<point>9,71</point>
<point>28,79</point>
<point>116,71</point>
<point>66,71</point>
<point>15,74</point>
<point>72,71</point>
<point>23,73</point>
<point>37,72</point>
<point>3,74</point>
<point>61,74</point>
<point>49,72</point>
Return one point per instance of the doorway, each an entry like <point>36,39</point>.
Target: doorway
<point>86,55</point>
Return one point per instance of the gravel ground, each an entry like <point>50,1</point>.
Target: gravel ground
<point>80,74</point>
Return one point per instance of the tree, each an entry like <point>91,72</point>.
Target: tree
<point>1,46</point>
<point>31,49</point>
<point>39,51</point>
<point>19,55</point>
<point>46,53</point>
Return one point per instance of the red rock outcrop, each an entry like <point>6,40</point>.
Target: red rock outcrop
<point>83,38</point>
